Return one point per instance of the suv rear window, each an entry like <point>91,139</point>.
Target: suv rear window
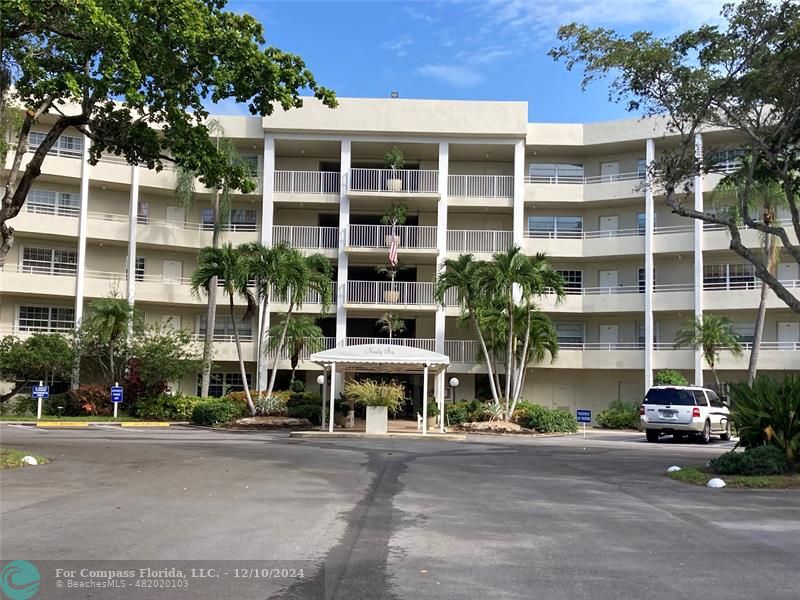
<point>670,396</point>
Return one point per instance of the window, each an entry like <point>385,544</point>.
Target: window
<point>727,160</point>
<point>251,162</point>
<point>570,334</point>
<point>641,168</point>
<point>699,398</point>
<point>49,261</point>
<point>224,328</point>
<point>729,277</point>
<point>239,219</point>
<point>555,227</point>
<point>639,326</point>
<point>46,202</point>
<point>222,383</point>
<point>642,282</point>
<point>66,145</point>
<point>671,396</point>
<point>715,277</point>
<point>139,270</point>
<point>745,331</point>
<point>573,281</point>
<point>714,400</point>
<point>45,318</point>
<point>143,213</point>
<point>555,172</point>
<point>641,223</point>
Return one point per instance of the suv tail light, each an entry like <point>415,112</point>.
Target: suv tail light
<point>641,409</point>
<point>696,411</point>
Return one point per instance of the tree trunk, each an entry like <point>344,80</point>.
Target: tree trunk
<point>261,344</point>
<point>495,395</point>
<point>278,352</point>
<point>770,247</point>
<point>246,383</point>
<point>208,341</point>
<point>13,392</point>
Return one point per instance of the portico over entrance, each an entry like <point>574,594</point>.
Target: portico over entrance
<point>385,358</point>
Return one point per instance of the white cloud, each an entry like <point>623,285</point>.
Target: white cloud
<point>419,15</point>
<point>457,75</point>
<point>399,45</point>
<point>484,55</point>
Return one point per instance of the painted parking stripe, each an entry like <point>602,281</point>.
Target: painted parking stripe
<point>28,428</point>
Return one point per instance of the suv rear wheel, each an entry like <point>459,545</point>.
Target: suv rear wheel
<point>726,435</point>
<point>652,435</point>
<point>705,435</point>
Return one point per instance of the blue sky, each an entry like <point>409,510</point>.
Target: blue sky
<point>461,49</point>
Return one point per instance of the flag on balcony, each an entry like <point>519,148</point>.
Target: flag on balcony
<point>393,252</point>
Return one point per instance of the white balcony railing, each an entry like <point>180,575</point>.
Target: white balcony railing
<point>463,351</point>
<point>744,283</point>
<point>380,236</point>
<point>421,343</point>
<point>325,343</point>
<point>401,181</point>
<point>224,338</point>
<point>478,240</point>
<point>416,293</point>
<point>58,210</point>
<point>480,186</point>
<point>307,182</point>
<point>306,236</point>
<point>577,179</point>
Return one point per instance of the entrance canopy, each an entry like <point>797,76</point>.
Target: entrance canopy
<point>385,358</point>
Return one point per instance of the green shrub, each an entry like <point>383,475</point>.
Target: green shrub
<point>543,419</point>
<point>214,411</point>
<point>760,460</point>
<point>619,415</point>
<point>272,406</point>
<point>669,377</point>
<point>433,408</point>
<point>167,408</point>
<point>768,412</point>
<point>457,413</point>
<point>373,393</point>
<point>305,405</point>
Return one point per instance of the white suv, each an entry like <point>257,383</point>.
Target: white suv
<point>684,410</point>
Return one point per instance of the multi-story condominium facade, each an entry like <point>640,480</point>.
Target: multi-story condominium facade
<point>478,177</point>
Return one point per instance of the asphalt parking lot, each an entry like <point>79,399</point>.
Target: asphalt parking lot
<point>493,517</point>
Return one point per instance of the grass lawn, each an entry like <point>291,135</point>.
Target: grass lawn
<point>700,476</point>
<point>10,458</point>
<point>52,418</point>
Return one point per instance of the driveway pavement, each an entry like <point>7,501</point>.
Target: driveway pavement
<point>494,517</point>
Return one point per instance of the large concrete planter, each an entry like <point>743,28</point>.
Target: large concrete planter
<point>391,296</point>
<point>377,419</point>
<point>394,185</point>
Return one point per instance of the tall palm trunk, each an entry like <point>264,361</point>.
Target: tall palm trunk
<point>492,386</point>
<point>770,247</point>
<point>274,374</point>
<point>260,343</point>
<point>211,313</point>
<point>246,383</point>
<point>509,355</point>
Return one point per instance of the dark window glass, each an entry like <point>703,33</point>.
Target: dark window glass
<point>669,396</point>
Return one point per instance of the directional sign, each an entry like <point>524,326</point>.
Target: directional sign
<point>116,394</point>
<point>583,416</point>
<point>40,391</point>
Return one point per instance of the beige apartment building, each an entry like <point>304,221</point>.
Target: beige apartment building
<point>478,177</point>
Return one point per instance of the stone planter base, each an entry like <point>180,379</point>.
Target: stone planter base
<point>377,419</point>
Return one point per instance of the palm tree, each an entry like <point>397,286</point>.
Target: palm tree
<point>227,264</point>
<point>299,276</point>
<point>390,324</point>
<point>221,208</point>
<point>490,294</point>
<point>265,267</point>
<point>302,333</point>
<point>109,319</point>
<point>765,197</point>
<point>711,335</point>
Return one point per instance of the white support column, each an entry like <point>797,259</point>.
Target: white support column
<point>519,192</point>
<point>698,256</point>
<point>425,399</point>
<point>440,386</point>
<point>649,218</point>
<point>133,217</point>
<point>80,273</point>
<point>332,389</point>
<point>265,237</point>
<point>341,270</point>
<point>441,237</point>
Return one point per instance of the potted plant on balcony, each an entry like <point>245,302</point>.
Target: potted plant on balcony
<point>391,295</point>
<point>390,324</point>
<point>379,399</point>
<point>394,159</point>
<point>394,217</point>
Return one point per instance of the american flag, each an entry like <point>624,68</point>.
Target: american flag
<point>393,252</point>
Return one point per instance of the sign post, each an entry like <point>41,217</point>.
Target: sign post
<point>116,397</point>
<point>583,416</point>
<point>40,392</point>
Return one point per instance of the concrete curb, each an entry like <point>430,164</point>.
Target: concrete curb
<point>323,435</point>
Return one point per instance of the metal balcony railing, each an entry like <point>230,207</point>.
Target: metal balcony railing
<point>480,186</point>
<point>421,343</point>
<point>380,236</point>
<point>478,240</point>
<point>416,293</point>
<point>306,236</point>
<point>401,181</point>
<point>307,182</point>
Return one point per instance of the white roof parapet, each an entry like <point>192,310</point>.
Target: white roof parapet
<point>385,357</point>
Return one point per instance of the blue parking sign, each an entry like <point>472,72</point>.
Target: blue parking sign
<point>116,394</point>
<point>40,391</point>
<point>583,416</point>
